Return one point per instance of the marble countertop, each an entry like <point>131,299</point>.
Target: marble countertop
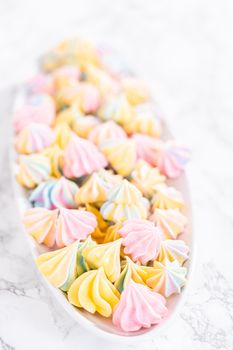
<point>183,49</point>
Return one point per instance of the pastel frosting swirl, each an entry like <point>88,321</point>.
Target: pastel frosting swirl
<point>167,197</point>
<point>174,249</point>
<point>106,131</point>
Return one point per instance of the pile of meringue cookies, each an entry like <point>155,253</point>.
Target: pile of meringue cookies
<point>91,156</point>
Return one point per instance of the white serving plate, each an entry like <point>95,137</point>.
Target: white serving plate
<point>96,324</point>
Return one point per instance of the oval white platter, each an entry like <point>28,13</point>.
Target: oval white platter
<point>96,324</point>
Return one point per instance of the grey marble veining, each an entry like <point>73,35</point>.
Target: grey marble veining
<point>184,51</point>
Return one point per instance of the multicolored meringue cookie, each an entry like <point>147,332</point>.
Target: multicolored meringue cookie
<point>171,222</point>
<point>167,278</point>
<point>139,307</point>
<point>61,267</point>
<point>65,76</point>
<point>65,97</point>
<point>106,131</point>
<point>173,249</point>
<point>172,159</point>
<point>94,292</point>
<point>121,154</point>
<point>167,197</point>
<point>146,178</point>
<point>124,202</point>
<point>99,234</point>
<point>141,240</point>
<point>56,157</point>
<point>68,116</point>
<point>94,190</point>
<point>34,138</point>
<point>109,177</point>
<point>82,158</point>
<point>83,126</point>
<point>135,90</point>
<point>112,233</point>
<point>65,225</point>
<point>107,256</point>
<point>88,98</point>
<point>132,272</point>
<point>41,84</point>
<point>33,169</point>
<point>55,194</point>
<point>117,109</point>
<point>147,148</point>
<point>39,109</point>
<point>62,134</point>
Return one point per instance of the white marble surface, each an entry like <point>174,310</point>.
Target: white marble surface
<point>184,51</point>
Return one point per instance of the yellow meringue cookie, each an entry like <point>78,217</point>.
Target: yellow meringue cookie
<point>121,154</point>
<point>68,116</point>
<point>135,90</point>
<point>94,190</point>
<point>56,156</point>
<point>62,134</point>
<point>82,126</point>
<point>106,255</point>
<point>171,222</point>
<point>145,178</point>
<point>144,123</point>
<point>93,292</point>
<point>33,169</point>
<point>117,109</point>
<point>99,234</point>
<point>112,233</point>
<point>167,198</point>
<point>173,249</point>
<point>124,202</point>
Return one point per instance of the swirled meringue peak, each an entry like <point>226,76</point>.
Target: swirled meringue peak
<point>33,169</point>
<point>146,178</point>
<point>65,225</point>
<point>83,126</point>
<point>106,255</point>
<point>117,108</point>
<point>94,292</point>
<point>82,158</point>
<point>121,154</point>
<point>56,157</point>
<point>39,109</point>
<point>34,138</point>
<point>61,267</point>
<point>62,134</point>
<point>88,98</point>
<point>139,307</point>
<point>172,159</point>
<point>167,278</point>
<point>167,197</point>
<point>147,148</point>
<point>171,222</point>
<point>99,234</point>
<point>55,194</point>
<point>124,202</point>
<point>141,240</point>
<point>174,249</point>
<point>106,131</point>
<point>112,233</point>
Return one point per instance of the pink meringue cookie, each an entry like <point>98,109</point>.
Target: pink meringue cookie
<point>139,307</point>
<point>88,98</point>
<point>41,84</point>
<point>107,131</point>
<point>172,158</point>
<point>147,148</point>
<point>82,158</point>
<point>39,109</point>
<point>142,240</point>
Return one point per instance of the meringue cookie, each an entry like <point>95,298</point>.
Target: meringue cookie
<point>59,227</point>
<point>65,75</point>
<point>167,278</point>
<point>117,109</point>
<point>99,234</point>
<point>147,148</point>
<point>34,138</point>
<point>146,178</point>
<point>55,194</point>
<point>124,202</point>
<point>62,134</point>
<point>109,177</point>
<point>56,157</point>
<point>135,90</point>
<point>173,250</point>
<point>121,154</point>
<point>82,158</point>
<point>112,233</point>
<point>172,159</point>
<point>61,267</point>
<point>171,222</point>
<point>93,292</point>
<point>141,240</point>
<point>94,190</point>
<point>107,256</point>
<point>68,116</point>
<point>41,84</point>
<point>88,98</point>
<point>106,131</point>
<point>139,307</point>
<point>167,198</point>
<point>39,109</point>
<point>83,126</point>
<point>65,97</point>
<point>33,169</point>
